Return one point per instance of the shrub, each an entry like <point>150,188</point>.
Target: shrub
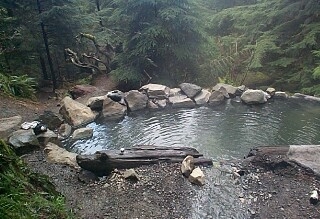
<point>20,86</point>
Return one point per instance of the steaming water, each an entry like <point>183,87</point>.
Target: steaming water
<point>223,133</point>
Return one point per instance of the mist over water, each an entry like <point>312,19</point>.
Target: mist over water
<point>222,133</point>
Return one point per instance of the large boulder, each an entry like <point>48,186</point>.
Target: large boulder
<point>156,91</point>
<point>75,113</point>
<point>181,101</point>
<point>187,166</point>
<point>56,154</point>
<point>113,110</point>
<point>197,177</point>
<point>216,98</point>
<point>202,98</point>
<point>231,90</point>
<point>8,124</point>
<point>96,103</point>
<point>254,96</point>
<point>81,90</point>
<point>24,141</point>
<point>82,133</point>
<point>191,90</point>
<point>136,100</point>
<point>51,120</point>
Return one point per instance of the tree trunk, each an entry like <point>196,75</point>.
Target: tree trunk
<point>46,44</point>
<point>43,68</point>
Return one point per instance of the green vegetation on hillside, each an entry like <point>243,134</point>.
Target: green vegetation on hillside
<point>162,41</point>
<point>26,195</point>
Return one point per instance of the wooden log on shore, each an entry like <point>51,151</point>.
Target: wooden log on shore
<point>103,162</point>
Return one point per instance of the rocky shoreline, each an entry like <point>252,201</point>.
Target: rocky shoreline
<point>163,192</point>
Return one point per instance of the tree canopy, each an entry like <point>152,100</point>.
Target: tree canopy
<point>164,41</point>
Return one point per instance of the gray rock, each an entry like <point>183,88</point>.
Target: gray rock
<point>65,130</point>
<point>24,141</point>
<point>254,97</point>
<point>197,177</point>
<point>49,136</point>
<point>131,174</point>
<point>51,120</point>
<point>136,100</point>
<point>175,92</point>
<point>224,91</point>
<point>8,124</point>
<point>181,101</point>
<point>96,103</point>
<point>113,110</point>
<point>75,113</point>
<point>231,90</point>
<point>216,98</point>
<point>157,91</point>
<point>82,133</point>
<point>191,90</point>
<point>202,98</point>
<point>187,166</point>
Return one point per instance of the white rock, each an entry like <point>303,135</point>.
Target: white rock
<point>187,166</point>
<point>197,177</point>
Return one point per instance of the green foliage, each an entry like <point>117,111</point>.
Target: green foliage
<point>20,86</point>
<point>281,36</point>
<point>24,194</point>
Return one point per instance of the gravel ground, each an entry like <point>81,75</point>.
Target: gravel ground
<point>161,192</point>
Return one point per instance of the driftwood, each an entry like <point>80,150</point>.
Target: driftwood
<point>103,162</point>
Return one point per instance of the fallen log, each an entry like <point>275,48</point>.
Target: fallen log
<point>103,162</point>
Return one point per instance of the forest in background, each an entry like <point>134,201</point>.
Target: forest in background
<point>252,42</point>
